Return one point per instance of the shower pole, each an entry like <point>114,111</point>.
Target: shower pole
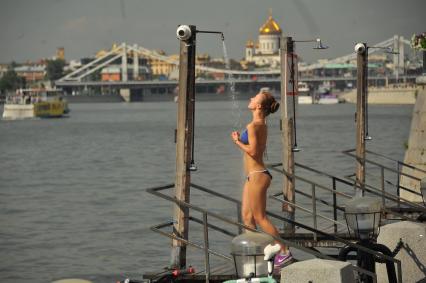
<point>184,141</point>
<point>287,132</point>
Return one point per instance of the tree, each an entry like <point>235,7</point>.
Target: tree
<point>11,80</point>
<point>55,69</point>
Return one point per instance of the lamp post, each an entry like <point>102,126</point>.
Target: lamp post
<point>363,216</point>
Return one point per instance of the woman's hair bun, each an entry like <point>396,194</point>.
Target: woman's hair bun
<point>274,106</point>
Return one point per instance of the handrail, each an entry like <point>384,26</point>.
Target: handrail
<point>389,196</point>
<point>275,197</point>
<point>371,189</point>
<point>404,188</point>
<point>309,181</point>
<point>349,153</point>
<point>395,160</point>
<point>379,192</point>
<point>313,197</point>
<point>155,191</point>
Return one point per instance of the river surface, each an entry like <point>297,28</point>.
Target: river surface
<point>73,200</point>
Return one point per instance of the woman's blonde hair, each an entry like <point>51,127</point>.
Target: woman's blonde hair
<point>269,103</point>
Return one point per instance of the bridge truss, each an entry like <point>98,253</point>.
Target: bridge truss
<point>121,51</point>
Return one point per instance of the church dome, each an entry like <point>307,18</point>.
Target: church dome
<point>270,27</point>
<point>250,43</point>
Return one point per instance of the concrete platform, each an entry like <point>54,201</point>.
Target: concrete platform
<point>318,271</point>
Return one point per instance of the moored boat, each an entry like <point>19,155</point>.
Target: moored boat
<point>303,91</point>
<point>328,99</point>
<point>35,103</point>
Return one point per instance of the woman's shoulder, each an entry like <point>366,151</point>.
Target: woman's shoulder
<point>255,126</point>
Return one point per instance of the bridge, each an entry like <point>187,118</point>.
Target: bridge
<point>81,79</point>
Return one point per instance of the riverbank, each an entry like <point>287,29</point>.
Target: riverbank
<point>402,94</point>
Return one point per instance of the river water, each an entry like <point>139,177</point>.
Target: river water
<point>73,200</point>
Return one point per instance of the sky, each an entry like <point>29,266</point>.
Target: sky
<point>33,29</point>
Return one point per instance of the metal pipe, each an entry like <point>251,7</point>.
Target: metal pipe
<point>334,204</point>
<point>209,31</point>
<point>314,211</point>
<point>239,217</point>
<point>206,247</point>
<point>304,209</point>
<point>348,152</point>
<point>382,177</point>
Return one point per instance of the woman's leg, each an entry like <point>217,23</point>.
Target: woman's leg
<point>257,187</point>
<point>246,214</point>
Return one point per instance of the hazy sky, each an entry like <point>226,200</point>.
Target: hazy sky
<point>32,29</point>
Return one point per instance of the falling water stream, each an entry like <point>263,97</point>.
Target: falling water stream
<point>236,110</point>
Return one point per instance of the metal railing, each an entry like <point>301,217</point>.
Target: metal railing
<point>399,165</point>
<point>335,193</point>
<point>313,197</point>
<point>206,214</point>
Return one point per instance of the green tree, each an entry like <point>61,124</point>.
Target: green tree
<point>11,80</point>
<point>55,69</point>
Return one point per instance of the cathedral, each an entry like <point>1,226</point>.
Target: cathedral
<point>266,50</point>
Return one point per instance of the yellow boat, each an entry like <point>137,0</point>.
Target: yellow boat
<point>35,103</point>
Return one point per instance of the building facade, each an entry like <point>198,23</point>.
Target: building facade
<point>265,52</point>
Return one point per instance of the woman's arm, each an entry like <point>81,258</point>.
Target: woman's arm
<point>252,149</point>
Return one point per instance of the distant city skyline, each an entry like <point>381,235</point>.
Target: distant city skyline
<point>32,30</point>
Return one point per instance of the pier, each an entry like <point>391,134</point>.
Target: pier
<point>329,234</point>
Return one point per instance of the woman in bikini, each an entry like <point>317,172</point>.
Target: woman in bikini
<point>252,142</point>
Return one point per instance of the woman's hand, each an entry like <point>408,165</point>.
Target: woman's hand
<point>235,136</point>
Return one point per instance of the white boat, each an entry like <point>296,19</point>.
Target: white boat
<point>303,91</point>
<point>302,88</point>
<point>304,99</point>
<point>328,99</point>
<point>35,103</point>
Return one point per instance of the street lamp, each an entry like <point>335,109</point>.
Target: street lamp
<point>363,216</point>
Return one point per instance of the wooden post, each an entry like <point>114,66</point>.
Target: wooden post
<point>184,146</point>
<point>360,120</point>
<point>287,136</point>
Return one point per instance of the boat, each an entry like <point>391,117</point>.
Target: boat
<point>305,99</point>
<point>35,103</point>
<point>328,99</point>
<point>324,95</point>
<point>303,92</point>
<point>302,88</point>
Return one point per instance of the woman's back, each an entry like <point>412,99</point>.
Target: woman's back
<point>258,134</point>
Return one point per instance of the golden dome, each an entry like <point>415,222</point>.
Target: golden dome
<point>270,27</point>
<point>250,43</point>
<point>101,53</point>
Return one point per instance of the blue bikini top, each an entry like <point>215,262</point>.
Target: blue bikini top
<point>244,137</point>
